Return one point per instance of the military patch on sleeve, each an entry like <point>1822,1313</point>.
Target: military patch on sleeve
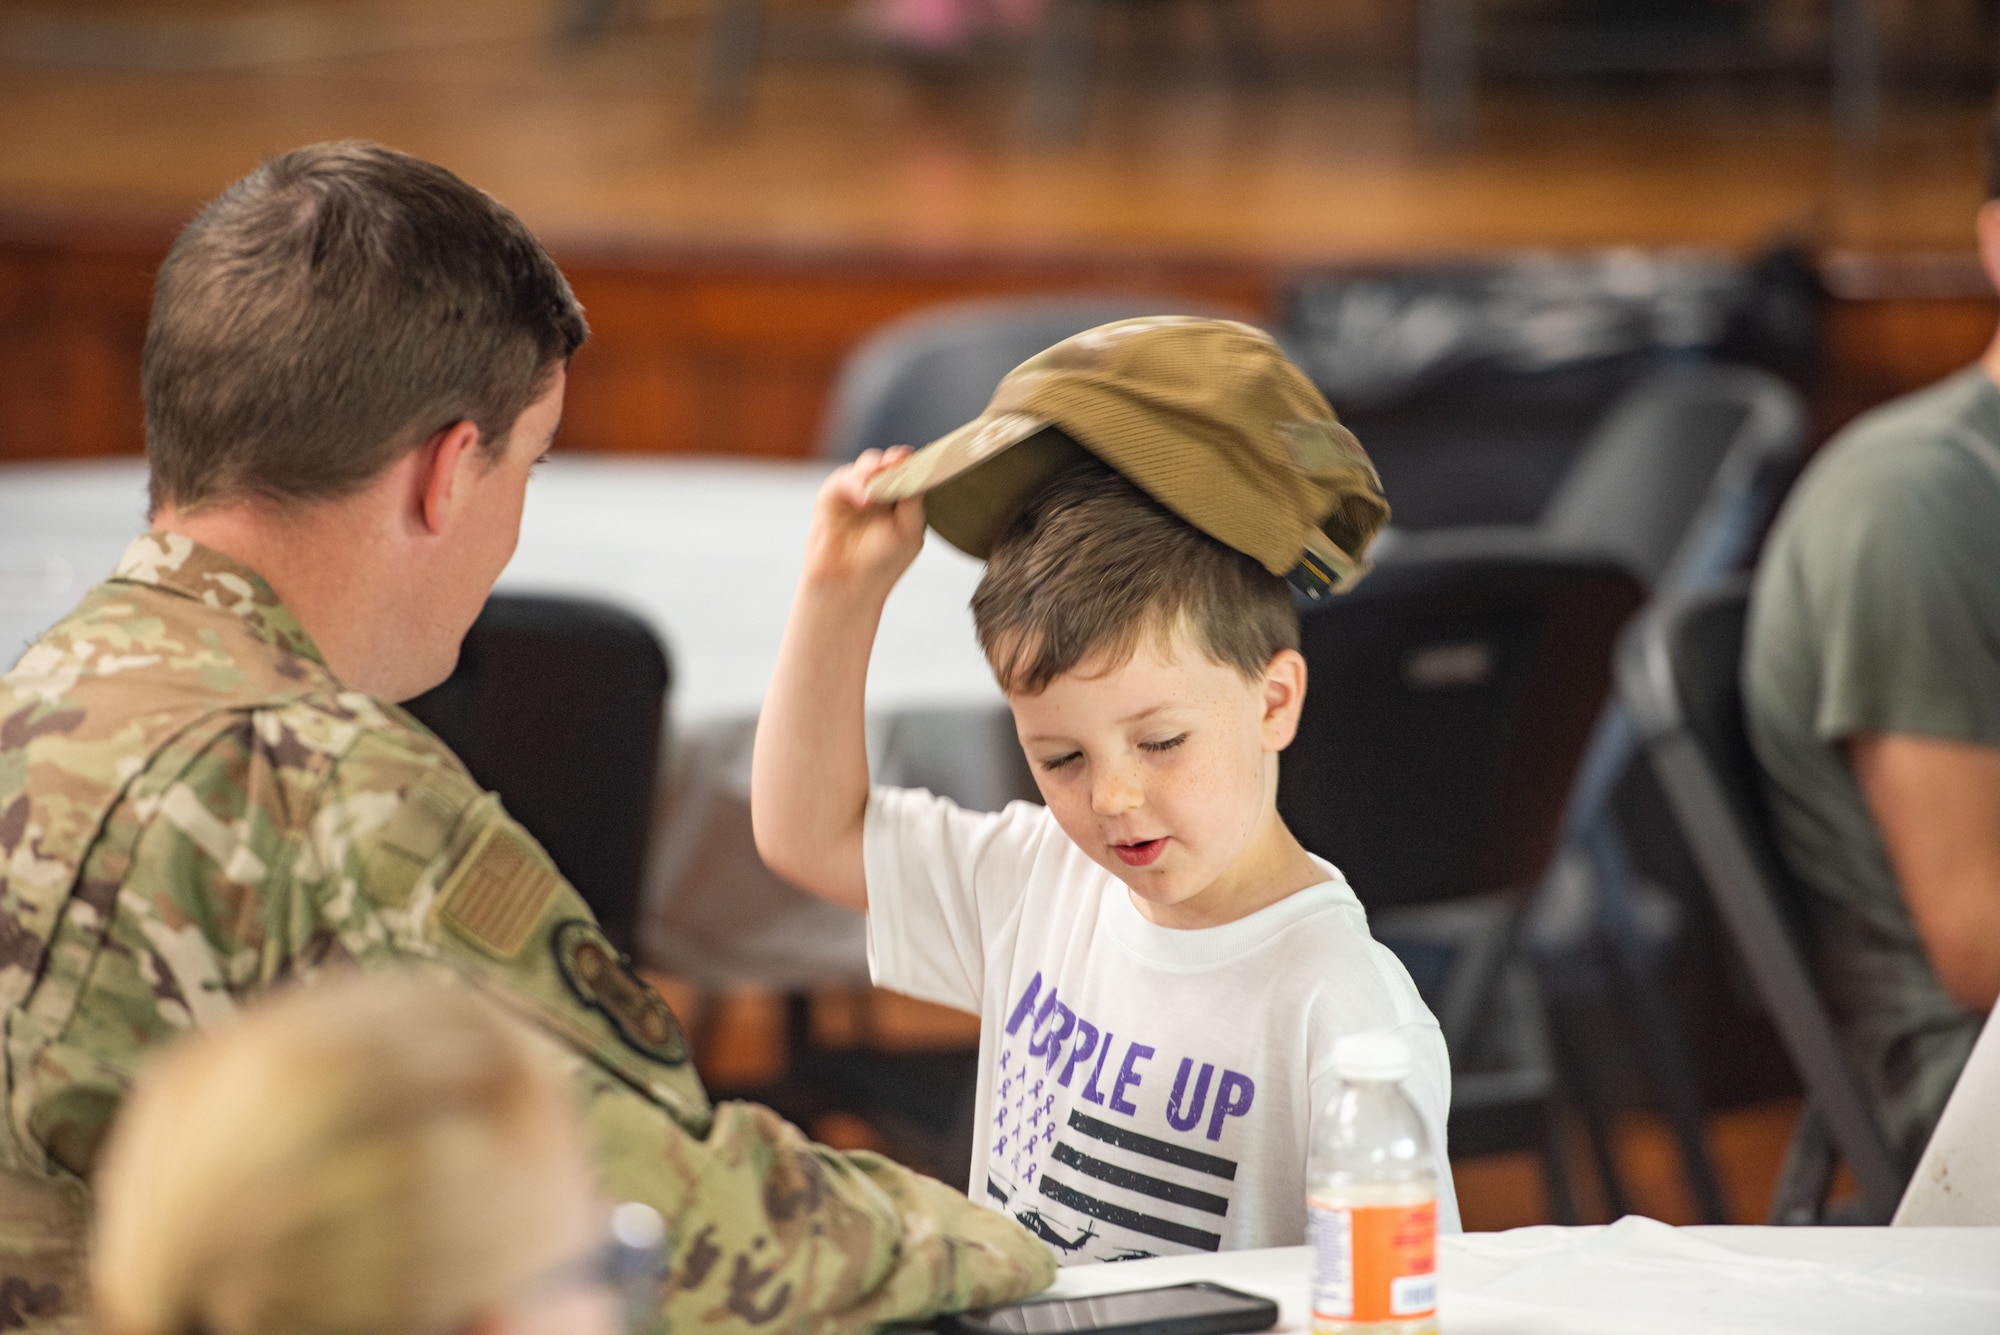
<point>603,982</point>
<point>411,837</point>
<point>500,890</point>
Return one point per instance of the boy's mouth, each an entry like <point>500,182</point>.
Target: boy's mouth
<point>1140,853</point>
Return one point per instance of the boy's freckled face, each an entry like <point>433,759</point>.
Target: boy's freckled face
<point>1161,769</point>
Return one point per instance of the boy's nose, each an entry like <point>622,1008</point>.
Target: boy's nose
<point>1113,792</point>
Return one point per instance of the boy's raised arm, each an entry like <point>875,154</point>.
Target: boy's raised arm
<point>809,772</point>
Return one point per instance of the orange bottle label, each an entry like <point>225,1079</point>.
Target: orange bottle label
<point>1374,1262</point>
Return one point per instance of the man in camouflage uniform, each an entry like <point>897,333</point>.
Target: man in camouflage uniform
<point>353,362</point>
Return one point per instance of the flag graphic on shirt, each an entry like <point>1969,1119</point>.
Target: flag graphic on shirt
<point>1065,1155</point>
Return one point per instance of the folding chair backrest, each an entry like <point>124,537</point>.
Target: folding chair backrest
<point>934,371</point>
<point>1678,481</point>
<point>1678,676</point>
<point>1449,699</point>
<point>557,705</point>
<point>1682,473</point>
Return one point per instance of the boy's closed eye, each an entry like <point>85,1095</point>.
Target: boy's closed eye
<point>1053,763</point>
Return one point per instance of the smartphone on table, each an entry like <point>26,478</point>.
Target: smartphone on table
<point>1180,1309</point>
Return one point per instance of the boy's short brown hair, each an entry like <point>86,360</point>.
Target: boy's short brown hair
<point>331,311</point>
<point>1092,563</point>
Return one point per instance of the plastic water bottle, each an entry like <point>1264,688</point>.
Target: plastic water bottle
<point>1371,1199</point>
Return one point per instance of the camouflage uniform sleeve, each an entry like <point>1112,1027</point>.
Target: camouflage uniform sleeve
<point>770,1230</point>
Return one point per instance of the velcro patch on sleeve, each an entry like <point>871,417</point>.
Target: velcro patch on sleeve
<point>411,838</point>
<point>500,890</point>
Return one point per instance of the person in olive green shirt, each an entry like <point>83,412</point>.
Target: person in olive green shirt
<point>1872,688</point>
<point>206,792</point>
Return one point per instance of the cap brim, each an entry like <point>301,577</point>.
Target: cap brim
<point>975,480</point>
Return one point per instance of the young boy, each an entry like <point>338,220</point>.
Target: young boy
<point>1161,969</point>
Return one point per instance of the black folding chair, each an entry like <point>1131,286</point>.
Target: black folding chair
<point>1678,678</point>
<point>1451,696</point>
<point>1677,482</point>
<point>557,704</point>
<point>1679,477</point>
<point>1480,389</point>
<point>933,371</point>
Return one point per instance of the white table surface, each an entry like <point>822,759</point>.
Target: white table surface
<point>62,527</point>
<point>707,550</point>
<point>1640,1277</point>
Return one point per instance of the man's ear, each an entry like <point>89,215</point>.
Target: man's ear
<point>444,472</point>
<point>1284,697</point>
<point>1989,240</point>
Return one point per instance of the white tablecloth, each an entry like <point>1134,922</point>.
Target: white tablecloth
<point>1640,1277</point>
<point>1958,1179</point>
<point>62,527</point>
<point>708,552</point>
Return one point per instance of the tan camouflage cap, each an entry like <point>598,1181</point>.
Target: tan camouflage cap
<point>1206,416</point>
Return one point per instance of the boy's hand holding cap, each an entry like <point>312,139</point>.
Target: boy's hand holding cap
<point>855,541</point>
<point>1207,417</point>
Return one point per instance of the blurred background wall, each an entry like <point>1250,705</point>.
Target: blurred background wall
<point>738,217</point>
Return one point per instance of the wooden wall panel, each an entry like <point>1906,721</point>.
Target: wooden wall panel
<point>736,354</point>
<point>696,353</point>
<point>704,352</point>
<point>1898,320</point>
<point>72,323</point>
<point>1880,348</point>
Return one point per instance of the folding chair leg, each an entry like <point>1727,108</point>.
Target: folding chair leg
<point>798,1029</point>
<point>1800,1196</point>
<point>1573,1082</point>
<point>1661,1049</point>
<point>1673,1079</point>
<point>1547,1050</point>
<point>1558,1182</point>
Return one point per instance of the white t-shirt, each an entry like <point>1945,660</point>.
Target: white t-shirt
<point>1142,1090</point>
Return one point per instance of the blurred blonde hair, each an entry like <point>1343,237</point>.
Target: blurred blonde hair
<point>367,1156</point>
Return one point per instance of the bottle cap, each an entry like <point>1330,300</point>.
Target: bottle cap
<point>1371,1057</point>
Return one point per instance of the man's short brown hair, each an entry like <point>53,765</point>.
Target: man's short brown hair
<point>331,311</point>
<point>1093,563</point>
